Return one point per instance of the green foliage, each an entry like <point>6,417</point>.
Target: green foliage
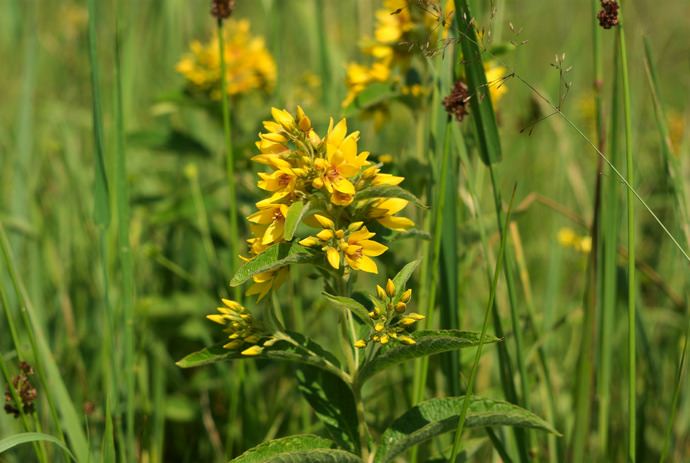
<point>429,342</point>
<point>295,214</point>
<point>334,404</point>
<point>26,437</point>
<point>269,451</point>
<point>437,416</point>
<point>277,256</point>
<point>352,305</point>
<point>293,347</point>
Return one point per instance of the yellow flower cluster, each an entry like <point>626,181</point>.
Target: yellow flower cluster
<point>325,174</point>
<point>241,327</point>
<point>390,320</point>
<point>390,48</point>
<point>248,64</point>
<point>569,239</point>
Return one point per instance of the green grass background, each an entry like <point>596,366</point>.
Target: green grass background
<point>75,287</point>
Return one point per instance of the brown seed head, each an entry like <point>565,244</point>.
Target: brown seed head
<point>456,102</point>
<point>608,15</point>
<point>222,9</point>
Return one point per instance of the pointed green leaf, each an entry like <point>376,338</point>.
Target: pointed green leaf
<point>480,101</point>
<point>267,451</point>
<point>295,214</point>
<point>316,456</point>
<point>388,191</point>
<point>334,404</point>
<point>437,416</point>
<point>351,305</point>
<point>278,255</point>
<point>428,343</point>
<point>26,437</point>
<point>306,352</point>
<point>400,280</point>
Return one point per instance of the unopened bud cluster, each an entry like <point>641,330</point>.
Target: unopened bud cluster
<point>244,332</point>
<point>391,321</point>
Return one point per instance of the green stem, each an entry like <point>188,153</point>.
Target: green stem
<point>230,158</point>
<point>517,330</point>
<point>632,377</point>
<point>485,325</point>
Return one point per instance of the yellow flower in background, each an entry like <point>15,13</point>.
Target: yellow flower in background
<point>495,79</point>
<point>249,65</point>
<point>569,239</point>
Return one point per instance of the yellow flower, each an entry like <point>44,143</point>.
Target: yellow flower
<point>569,239</point>
<point>267,281</point>
<point>352,244</point>
<point>359,249</point>
<point>384,210</point>
<point>272,215</point>
<point>249,65</point>
<point>341,163</point>
<point>495,79</point>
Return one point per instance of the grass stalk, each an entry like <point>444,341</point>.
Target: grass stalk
<point>609,267</point>
<point>124,248</point>
<point>229,159</point>
<point>632,376</point>
<point>485,324</point>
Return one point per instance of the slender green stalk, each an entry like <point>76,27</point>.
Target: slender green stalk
<point>430,302</point>
<point>514,318</point>
<point>229,159</point>
<point>324,56</point>
<point>632,376</point>
<point>585,365</point>
<point>609,263</point>
<point>124,248</point>
<point>487,315</point>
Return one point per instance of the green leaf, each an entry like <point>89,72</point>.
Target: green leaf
<point>316,456</point>
<point>306,352</point>
<point>400,280</point>
<point>334,404</point>
<point>351,305</point>
<point>429,342</point>
<point>437,416</point>
<point>388,191</point>
<point>26,437</point>
<point>294,216</point>
<point>480,102</point>
<point>372,95</point>
<point>267,451</point>
<point>278,255</point>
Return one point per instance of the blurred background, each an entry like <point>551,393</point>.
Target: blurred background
<point>79,288</point>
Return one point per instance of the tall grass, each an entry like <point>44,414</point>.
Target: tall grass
<point>110,256</point>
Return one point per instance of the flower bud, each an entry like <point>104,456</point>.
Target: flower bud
<point>406,296</point>
<point>380,292</point>
<point>400,307</point>
<point>360,344</point>
<point>384,339</point>
<point>407,340</point>
<point>378,327</point>
<point>252,351</point>
<point>390,288</point>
